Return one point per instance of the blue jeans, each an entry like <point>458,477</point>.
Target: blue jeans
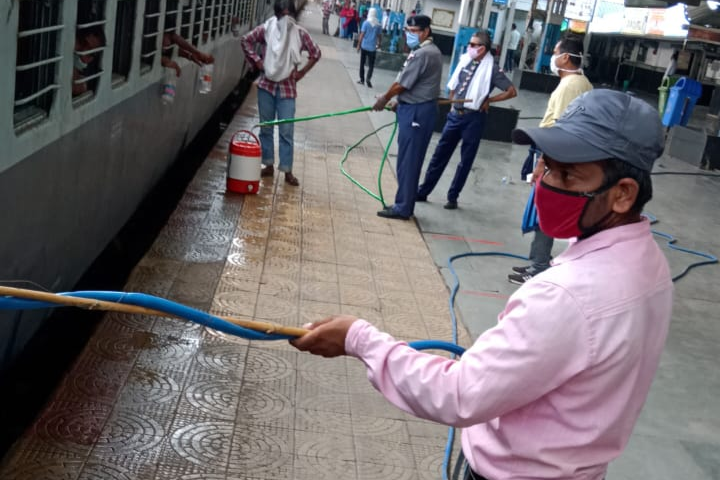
<point>415,128</point>
<point>467,127</point>
<point>268,106</point>
<point>540,252</point>
<point>509,60</point>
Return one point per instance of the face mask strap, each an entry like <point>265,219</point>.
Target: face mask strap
<point>593,229</point>
<point>579,69</point>
<point>603,188</point>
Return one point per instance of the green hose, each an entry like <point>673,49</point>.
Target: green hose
<point>377,196</point>
<point>272,123</point>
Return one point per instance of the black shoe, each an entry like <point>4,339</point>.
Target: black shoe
<point>520,269</point>
<point>421,198</point>
<point>369,84</point>
<point>519,278</point>
<point>389,213</point>
<point>361,82</point>
<point>450,205</point>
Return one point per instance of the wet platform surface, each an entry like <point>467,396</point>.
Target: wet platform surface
<point>154,398</point>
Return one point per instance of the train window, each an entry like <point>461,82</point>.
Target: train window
<point>235,17</point>
<point>243,10</point>
<point>207,21</point>
<point>199,17</point>
<point>89,48</point>
<point>172,13</point>
<point>150,37</point>
<point>186,19</point>
<point>122,48</point>
<point>217,16</point>
<point>227,17</point>
<point>171,16</point>
<point>247,13</point>
<point>38,57</point>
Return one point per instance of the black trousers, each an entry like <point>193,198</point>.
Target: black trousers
<point>470,475</point>
<point>370,56</point>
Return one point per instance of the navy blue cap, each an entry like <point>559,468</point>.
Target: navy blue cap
<point>598,125</point>
<point>420,21</point>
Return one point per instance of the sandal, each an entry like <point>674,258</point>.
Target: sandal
<point>267,171</point>
<point>291,179</point>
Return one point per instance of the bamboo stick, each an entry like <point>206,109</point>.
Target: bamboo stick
<point>91,304</point>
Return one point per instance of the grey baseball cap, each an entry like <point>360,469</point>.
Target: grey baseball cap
<point>598,125</point>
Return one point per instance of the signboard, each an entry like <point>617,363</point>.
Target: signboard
<point>655,21</point>
<point>579,10</point>
<point>634,21</point>
<point>611,16</point>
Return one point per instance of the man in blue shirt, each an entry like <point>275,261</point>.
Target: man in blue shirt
<point>474,79</point>
<point>369,41</point>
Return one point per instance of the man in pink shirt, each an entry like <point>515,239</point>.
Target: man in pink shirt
<point>554,390</point>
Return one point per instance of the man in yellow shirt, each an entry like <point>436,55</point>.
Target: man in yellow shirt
<point>566,62</point>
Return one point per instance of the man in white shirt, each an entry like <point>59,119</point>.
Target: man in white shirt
<point>474,79</point>
<point>512,46</point>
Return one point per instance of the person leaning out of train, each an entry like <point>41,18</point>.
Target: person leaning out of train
<point>185,50</point>
<point>86,40</point>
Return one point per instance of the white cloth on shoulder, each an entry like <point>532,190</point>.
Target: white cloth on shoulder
<point>479,87</point>
<point>282,48</point>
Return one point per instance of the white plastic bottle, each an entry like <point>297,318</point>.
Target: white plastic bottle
<point>206,74</point>
<point>169,84</point>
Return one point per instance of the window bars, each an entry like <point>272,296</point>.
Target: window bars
<point>151,35</point>
<point>124,33</point>
<point>38,57</point>
<point>91,21</point>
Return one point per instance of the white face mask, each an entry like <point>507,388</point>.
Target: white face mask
<point>474,52</point>
<point>556,70</point>
<point>79,64</point>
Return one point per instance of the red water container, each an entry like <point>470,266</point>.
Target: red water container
<point>243,172</point>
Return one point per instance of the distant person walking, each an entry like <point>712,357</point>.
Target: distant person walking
<point>566,62</point>
<point>386,20</point>
<point>326,11</point>
<point>281,41</point>
<point>417,87</point>
<point>474,78</point>
<point>512,46</point>
<point>368,43</point>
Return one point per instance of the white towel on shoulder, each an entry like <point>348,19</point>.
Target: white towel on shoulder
<point>479,87</point>
<point>282,48</point>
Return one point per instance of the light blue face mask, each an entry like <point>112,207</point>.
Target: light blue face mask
<point>412,39</point>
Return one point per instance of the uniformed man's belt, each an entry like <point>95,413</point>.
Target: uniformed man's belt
<point>463,111</point>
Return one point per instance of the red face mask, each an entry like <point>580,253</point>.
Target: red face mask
<point>560,211</point>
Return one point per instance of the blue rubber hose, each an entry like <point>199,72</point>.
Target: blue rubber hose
<point>152,302</point>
